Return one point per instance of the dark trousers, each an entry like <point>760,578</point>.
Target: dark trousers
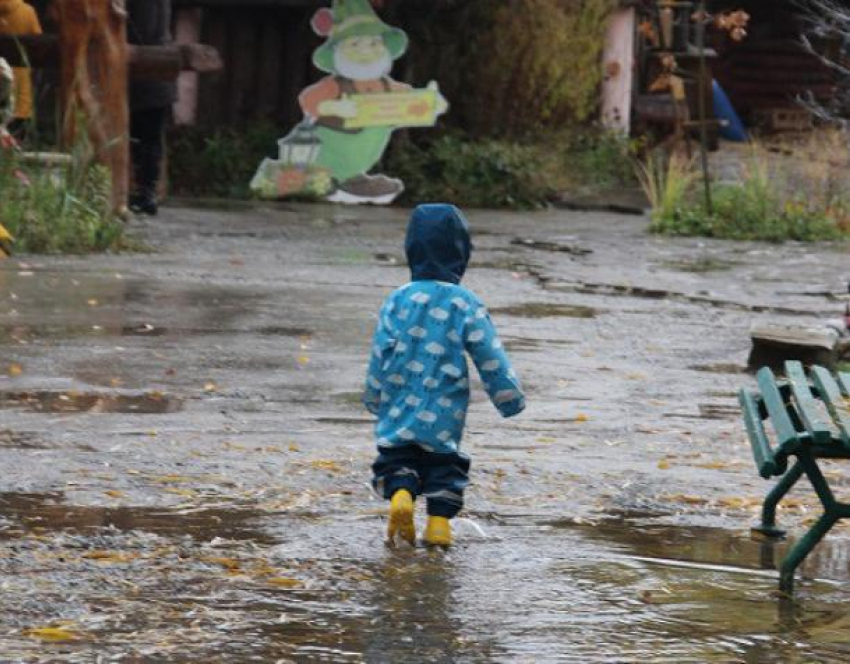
<point>439,478</point>
<point>147,136</point>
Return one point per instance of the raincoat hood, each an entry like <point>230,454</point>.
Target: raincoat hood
<point>438,245</point>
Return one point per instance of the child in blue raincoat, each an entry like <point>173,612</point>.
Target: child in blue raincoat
<point>418,384</point>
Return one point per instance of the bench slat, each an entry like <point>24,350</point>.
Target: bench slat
<point>806,405</point>
<point>844,382</point>
<point>831,395</point>
<point>762,453</point>
<point>776,410</point>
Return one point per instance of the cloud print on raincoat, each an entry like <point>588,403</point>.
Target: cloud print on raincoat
<point>418,381</point>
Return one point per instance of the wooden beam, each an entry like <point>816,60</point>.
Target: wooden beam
<point>252,3</point>
<point>145,62</point>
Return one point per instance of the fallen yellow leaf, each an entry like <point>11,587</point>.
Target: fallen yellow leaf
<point>108,556</point>
<point>228,563</point>
<point>169,479</point>
<point>581,417</point>
<point>15,369</point>
<point>326,464</point>
<point>285,582</point>
<point>663,464</point>
<point>294,448</point>
<point>186,493</point>
<point>53,634</point>
<point>303,360</point>
<point>112,493</point>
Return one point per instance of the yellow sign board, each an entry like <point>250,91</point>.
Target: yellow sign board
<point>416,108</point>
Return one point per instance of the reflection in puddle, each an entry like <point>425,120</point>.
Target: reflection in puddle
<point>47,512</point>
<point>242,585</point>
<point>30,333</point>
<point>699,265</point>
<point>545,310</point>
<point>720,367</point>
<point>150,403</point>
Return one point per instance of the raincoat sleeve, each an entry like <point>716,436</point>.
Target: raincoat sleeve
<point>382,344</point>
<point>487,352</point>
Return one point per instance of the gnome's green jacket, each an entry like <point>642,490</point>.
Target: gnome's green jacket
<point>347,152</point>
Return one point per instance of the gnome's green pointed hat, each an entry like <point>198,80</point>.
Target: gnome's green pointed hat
<point>352,18</point>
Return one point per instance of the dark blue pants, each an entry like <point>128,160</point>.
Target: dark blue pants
<point>439,478</point>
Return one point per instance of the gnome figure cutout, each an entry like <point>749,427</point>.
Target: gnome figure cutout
<point>350,114</point>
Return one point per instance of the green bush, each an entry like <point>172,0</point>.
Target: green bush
<point>508,69</point>
<point>488,173</point>
<point>64,209</point>
<point>219,162</point>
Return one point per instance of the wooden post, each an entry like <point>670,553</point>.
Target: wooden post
<point>93,60</point>
<point>703,111</point>
<point>618,60</point>
<point>188,32</point>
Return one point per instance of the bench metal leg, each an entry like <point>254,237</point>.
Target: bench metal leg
<point>833,511</point>
<point>802,549</point>
<point>768,511</point>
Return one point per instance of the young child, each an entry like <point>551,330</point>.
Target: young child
<point>418,384</point>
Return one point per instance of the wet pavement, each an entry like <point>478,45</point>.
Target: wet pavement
<point>186,462</point>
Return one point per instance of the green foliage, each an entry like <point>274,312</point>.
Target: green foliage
<point>508,69</point>
<point>761,206</point>
<point>510,174</point>
<point>61,209</point>
<point>594,159</point>
<point>486,173</point>
<point>220,162</point>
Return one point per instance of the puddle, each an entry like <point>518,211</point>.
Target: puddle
<point>151,403</point>
<point>557,247</point>
<point>545,310</point>
<point>389,259</point>
<point>641,292</point>
<point>20,440</point>
<point>720,367</point>
<point>717,547</point>
<point>699,265</point>
<point>42,512</point>
<point>243,588</point>
<point>527,343</point>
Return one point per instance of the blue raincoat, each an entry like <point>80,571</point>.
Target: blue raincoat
<point>418,382</point>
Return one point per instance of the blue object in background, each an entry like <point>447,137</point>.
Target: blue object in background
<point>733,128</point>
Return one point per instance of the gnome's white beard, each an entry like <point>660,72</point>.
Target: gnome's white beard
<point>357,71</point>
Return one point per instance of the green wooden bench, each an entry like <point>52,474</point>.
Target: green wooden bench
<point>805,430</point>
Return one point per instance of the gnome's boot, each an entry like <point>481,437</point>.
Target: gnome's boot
<point>401,517</point>
<point>438,532</point>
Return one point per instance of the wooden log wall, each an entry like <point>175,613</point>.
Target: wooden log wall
<point>769,69</point>
<point>267,54</point>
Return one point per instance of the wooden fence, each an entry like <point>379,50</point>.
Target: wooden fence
<point>267,49</point>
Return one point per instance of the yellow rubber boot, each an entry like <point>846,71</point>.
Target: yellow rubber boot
<point>438,532</point>
<point>401,517</point>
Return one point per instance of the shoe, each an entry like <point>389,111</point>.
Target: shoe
<point>438,532</point>
<point>401,517</point>
<point>144,204</point>
<point>374,189</point>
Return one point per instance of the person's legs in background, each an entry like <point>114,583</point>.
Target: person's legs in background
<point>147,135</point>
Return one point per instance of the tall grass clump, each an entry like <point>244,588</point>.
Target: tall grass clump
<point>58,208</point>
<point>770,201</point>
